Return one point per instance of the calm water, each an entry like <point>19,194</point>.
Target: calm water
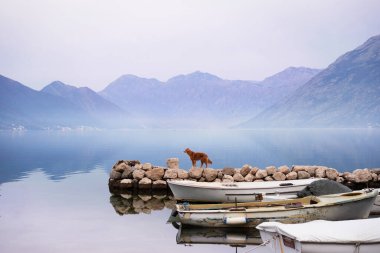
<point>54,195</point>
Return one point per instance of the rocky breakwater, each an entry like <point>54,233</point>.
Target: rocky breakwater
<point>133,175</point>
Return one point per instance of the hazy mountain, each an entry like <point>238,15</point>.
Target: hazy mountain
<point>201,99</point>
<point>58,105</point>
<point>346,94</point>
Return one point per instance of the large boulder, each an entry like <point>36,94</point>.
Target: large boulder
<point>228,171</point>
<point>171,174</point>
<point>238,177</point>
<point>210,174</point>
<point>260,174</point>
<point>279,176</point>
<point>195,173</point>
<point>127,173</point>
<point>147,166</point>
<point>291,175</point>
<point>155,173</point>
<point>311,170</point>
<point>182,174</point>
<point>126,183</point>
<point>245,170</point>
<point>138,174</point>
<point>362,175</point>
<point>303,174</point>
<point>120,167</point>
<point>254,170</point>
<point>284,169</point>
<point>270,170</point>
<point>249,178</point>
<point>172,163</point>
<point>332,174</point>
<point>323,187</point>
<point>320,172</point>
<point>115,175</point>
<point>159,185</point>
<point>145,183</point>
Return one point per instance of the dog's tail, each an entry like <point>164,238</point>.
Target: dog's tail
<point>209,161</point>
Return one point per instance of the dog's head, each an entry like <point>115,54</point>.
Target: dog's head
<point>187,150</point>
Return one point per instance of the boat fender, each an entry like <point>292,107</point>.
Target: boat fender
<point>235,220</point>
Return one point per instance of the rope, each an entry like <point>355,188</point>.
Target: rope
<point>263,244</point>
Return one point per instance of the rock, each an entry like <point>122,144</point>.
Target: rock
<point>173,163</point>
<point>195,173</point>
<point>121,167</point>
<point>362,175</point>
<point>145,183</point>
<point>227,179</point>
<point>291,175</point>
<point>245,170</point>
<point>138,166</point>
<point>323,187</point>
<point>126,183</point>
<point>115,175</point>
<point>249,178</point>
<point>145,198</point>
<point>270,170</point>
<point>159,185</point>
<point>228,171</point>
<point>284,169</point>
<point>311,170</point>
<point>138,203</point>
<point>182,174</point>
<point>375,170</point>
<point>374,177</point>
<point>210,174</point>
<point>147,166</point>
<point>218,180</point>
<point>261,174</point>
<point>279,176</point>
<point>238,177</point>
<point>254,170</point>
<point>303,174</point>
<point>127,173</point>
<point>220,174</point>
<point>340,179</point>
<point>202,179</point>
<point>171,174</point>
<point>297,168</point>
<point>155,173</point>
<point>268,178</point>
<point>320,172</point>
<point>138,174</point>
<point>155,204</point>
<point>332,174</point>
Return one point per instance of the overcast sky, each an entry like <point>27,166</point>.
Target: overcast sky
<point>91,43</point>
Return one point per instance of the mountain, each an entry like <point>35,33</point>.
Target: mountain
<point>89,101</point>
<point>57,105</point>
<point>346,94</point>
<point>201,99</point>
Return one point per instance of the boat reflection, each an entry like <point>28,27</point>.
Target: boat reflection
<point>235,237</point>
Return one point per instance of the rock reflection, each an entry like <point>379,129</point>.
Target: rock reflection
<point>235,237</point>
<point>130,203</point>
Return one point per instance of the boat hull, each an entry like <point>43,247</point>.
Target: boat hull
<point>341,210</point>
<point>234,192</point>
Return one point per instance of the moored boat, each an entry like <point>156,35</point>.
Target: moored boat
<point>236,191</point>
<point>250,214</point>
<point>323,236</point>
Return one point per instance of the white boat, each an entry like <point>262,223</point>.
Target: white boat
<point>376,206</point>
<point>234,192</point>
<point>323,236</point>
<point>344,206</point>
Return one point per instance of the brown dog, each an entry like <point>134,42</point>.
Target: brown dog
<point>195,156</point>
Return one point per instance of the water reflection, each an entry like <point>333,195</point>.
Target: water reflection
<point>239,237</point>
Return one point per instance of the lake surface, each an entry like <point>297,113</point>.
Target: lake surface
<point>54,195</point>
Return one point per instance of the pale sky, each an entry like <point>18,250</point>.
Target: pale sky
<point>93,42</point>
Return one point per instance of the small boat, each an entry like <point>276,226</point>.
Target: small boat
<point>323,236</point>
<point>376,206</point>
<point>344,206</point>
<point>187,190</point>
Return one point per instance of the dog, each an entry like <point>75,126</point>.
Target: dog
<point>196,156</point>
